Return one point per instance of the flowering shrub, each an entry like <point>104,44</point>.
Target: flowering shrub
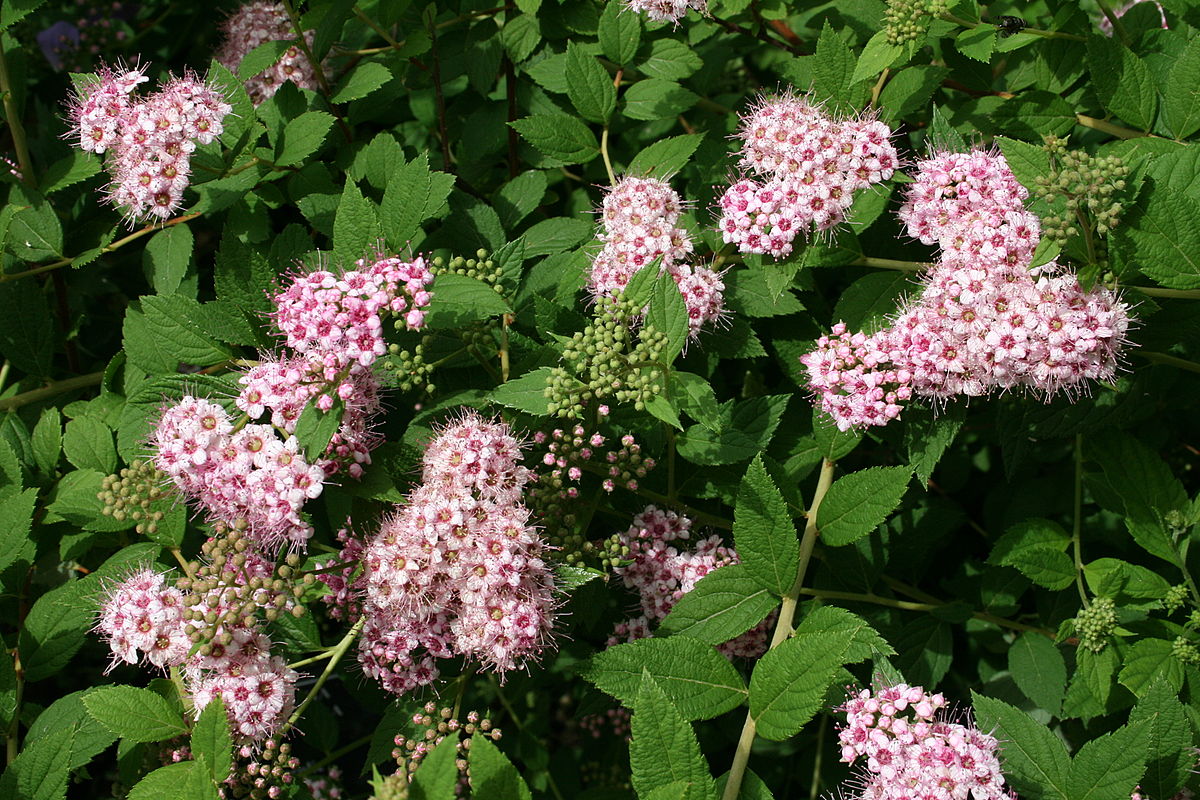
<point>600,399</point>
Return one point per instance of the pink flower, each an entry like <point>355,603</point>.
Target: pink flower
<point>257,23</point>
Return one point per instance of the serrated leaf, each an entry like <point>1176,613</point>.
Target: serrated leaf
<point>620,33</point>
<point>670,59</point>
<point>211,740</point>
<point>437,777</point>
<point>978,42</point>
<point>924,649</point>
<point>859,502</point>
<point>789,683</point>
<point>458,299</point>
<point>167,256</point>
<point>414,194</point>
<point>663,749</point>
<point>1147,661</point>
<point>700,681</point>
<point>315,428</point>
<point>519,197</point>
<point>656,98</point>
<point>55,629</point>
<point>664,158</point>
<point>164,335</point>
<point>1181,95</point>
<point>722,605</point>
<point>139,715</point>
<point>492,774</point>
<point>1034,759</point>
<point>669,315</point>
<point>876,56</point>
<point>1109,767</point>
<point>1161,235</point>
<point>26,327</point>
<point>1169,756</point>
<point>187,780</point>
<point>1123,81</point>
<point>833,68</point>
<point>88,444</point>
<point>42,769</point>
<point>589,87</point>
<point>865,641</point>
<point>366,78</point>
<point>742,433</point>
<point>1039,670</point>
<point>926,437</point>
<point>302,137</point>
<point>909,90</point>
<point>1035,547</point>
<point>764,532</point>
<point>16,518</point>
<point>262,58</point>
<point>1142,489</point>
<point>526,393</point>
<point>70,170</point>
<point>563,139</point>
<point>46,442</point>
<point>355,226</point>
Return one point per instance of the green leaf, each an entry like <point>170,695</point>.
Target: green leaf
<point>909,90</point>
<point>556,235</point>
<point>16,518</point>
<point>926,437</point>
<point>519,197</point>
<point>366,78</point>
<point>187,780</point>
<point>670,60</point>
<point>620,33</point>
<point>655,98</point>
<point>669,315</point>
<point>139,715</point>
<point>262,58</point>
<point>569,577</point>
<point>664,158</point>
<point>942,135</point>
<point>789,683</point>
<point>1039,670</point>
<point>1109,767</point>
<point>315,428</point>
<point>589,87</point>
<point>876,56</point>
<point>562,139</point>
<point>924,645</point>
<point>1034,115</point>
<point>1169,756</point>
<point>55,629</point>
<point>46,441</point>
<point>521,36</point>
<point>88,444</point>
<point>13,11</point>
<point>1123,81</point>
<point>1181,95</point>
<point>164,334</point>
<point>34,232</point>
<point>1138,485</point>
<point>1147,661</point>
<point>492,774</point>
<point>663,749</point>
<point>977,43</point>
<point>68,171</point>
<point>355,227</point>
<point>458,300</point>
<point>1028,163</point>
<point>1161,235</point>
<point>414,194</point>
<point>833,68</point>
<point>167,257</point>
<point>526,393</point>
<point>211,740</point>
<point>742,433</point>
<point>700,681</point>
<point>859,502</point>
<point>1036,547</point>
<point>694,396</point>
<point>437,776</point>
<point>42,769</point>
<point>1034,759</point>
<point>302,137</point>
<point>764,532</point>
<point>722,605</point>
<point>26,327</point>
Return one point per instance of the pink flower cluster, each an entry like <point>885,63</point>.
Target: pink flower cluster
<point>567,452</point>
<point>639,224</point>
<point>258,23</point>
<point>662,571</point>
<point>337,320</point>
<point>984,321</point>
<point>142,615</point>
<point>248,473</point>
<point>150,140</point>
<point>807,165</point>
<point>907,754</point>
<point>258,689</point>
<point>458,569</point>
<point>667,10</point>
<point>283,387</point>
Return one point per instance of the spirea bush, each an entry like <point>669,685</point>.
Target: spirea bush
<point>600,399</point>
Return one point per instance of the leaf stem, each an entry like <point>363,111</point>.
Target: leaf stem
<point>783,626</point>
<point>302,43</point>
<point>1103,126</point>
<point>888,263</point>
<point>1174,294</point>
<point>878,88</point>
<point>336,655</point>
<point>57,387</point>
<point>1114,20</point>
<point>1154,358</point>
<point>12,115</point>
<point>1031,31</point>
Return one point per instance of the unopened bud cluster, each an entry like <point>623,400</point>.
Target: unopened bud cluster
<point>1095,624</point>
<point>134,494</point>
<point>1088,186</point>
<point>262,774</point>
<point>433,726</point>
<point>612,357</point>
<point>908,20</point>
